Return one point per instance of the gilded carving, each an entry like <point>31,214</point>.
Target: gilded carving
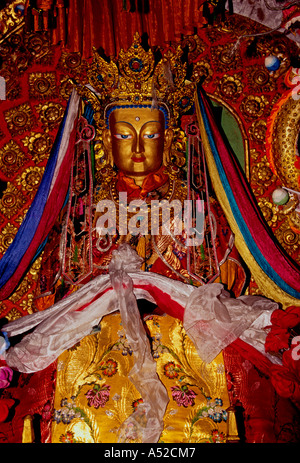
<point>11,158</point>
<point>262,176</point>
<point>39,145</point>
<point>30,179</point>
<point>10,18</point>
<point>288,239</point>
<point>51,114</point>
<point>257,130</point>
<point>20,291</point>
<point>27,303</point>
<point>42,85</point>
<point>253,106</point>
<point>71,63</point>
<point>65,88</point>
<point>269,211</point>
<point>12,201</point>
<point>13,314</point>
<point>195,45</point>
<point>6,236</point>
<point>19,119</point>
<point>223,57</point>
<point>230,87</point>
<point>202,71</point>
<point>39,47</point>
<point>260,79</point>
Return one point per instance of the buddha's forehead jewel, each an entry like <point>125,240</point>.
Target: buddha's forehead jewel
<point>148,106</point>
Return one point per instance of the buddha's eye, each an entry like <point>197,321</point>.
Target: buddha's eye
<point>151,136</point>
<point>120,136</point>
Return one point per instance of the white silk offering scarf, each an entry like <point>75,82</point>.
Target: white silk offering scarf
<point>211,318</point>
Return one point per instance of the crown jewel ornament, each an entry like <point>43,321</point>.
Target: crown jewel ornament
<point>135,79</point>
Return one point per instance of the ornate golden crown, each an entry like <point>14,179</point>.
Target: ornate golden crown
<point>135,78</point>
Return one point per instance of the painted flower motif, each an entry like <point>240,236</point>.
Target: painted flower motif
<point>183,396</point>
<point>98,396</point>
<point>6,375</point>
<point>122,344</point>
<point>218,437</point>
<point>172,370</point>
<point>67,438</point>
<point>46,412</point>
<point>157,347</point>
<point>67,412</point>
<point>110,368</point>
<point>136,403</point>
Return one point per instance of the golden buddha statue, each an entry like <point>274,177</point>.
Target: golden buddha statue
<point>109,346</point>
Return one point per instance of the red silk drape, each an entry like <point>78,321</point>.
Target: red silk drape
<point>106,24</point>
<point>82,24</point>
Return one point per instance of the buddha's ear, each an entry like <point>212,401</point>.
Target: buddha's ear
<point>107,142</point>
<point>167,146</point>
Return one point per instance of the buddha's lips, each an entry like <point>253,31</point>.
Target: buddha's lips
<point>136,159</point>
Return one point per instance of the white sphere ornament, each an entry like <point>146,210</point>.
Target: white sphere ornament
<point>272,63</point>
<point>280,196</point>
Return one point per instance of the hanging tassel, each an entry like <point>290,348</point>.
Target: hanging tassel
<point>124,7</point>
<point>146,6</point>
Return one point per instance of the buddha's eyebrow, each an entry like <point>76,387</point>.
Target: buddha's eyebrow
<point>128,123</point>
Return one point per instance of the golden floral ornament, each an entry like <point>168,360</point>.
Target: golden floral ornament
<point>258,130</point>
<point>269,211</point>
<point>261,175</point>
<point>253,106</point>
<point>12,201</point>
<point>71,62</point>
<point>39,47</point>
<point>51,114</point>
<point>65,88</point>
<point>10,17</point>
<point>223,57</point>
<point>35,268</point>
<point>11,158</point>
<point>202,71</point>
<point>260,79</point>
<point>195,46</point>
<point>30,179</point>
<point>27,304</point>
<point>288,239</point>
<point>21,290</point>
<point>231,87</point>
<point>10,315</point>
<point>42,85</point>
<point>39,145</point>
<point>19,119</point>
<point>7,236</point>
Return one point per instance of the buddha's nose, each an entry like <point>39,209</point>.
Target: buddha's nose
<point>138,147</point>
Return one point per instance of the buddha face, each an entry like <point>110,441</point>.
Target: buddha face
<point>137,141</point>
